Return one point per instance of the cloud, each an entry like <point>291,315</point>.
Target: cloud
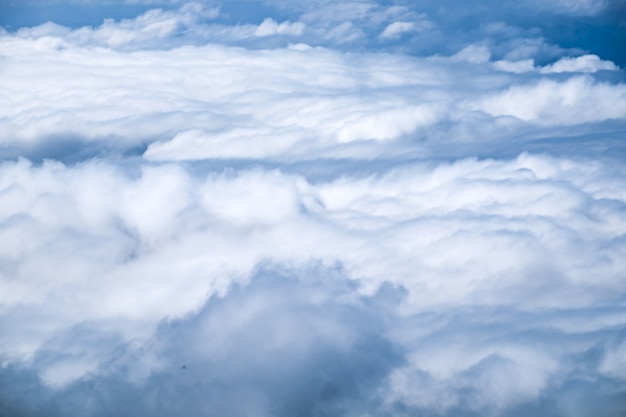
<point>473,53</point>
<point>396,29</point>
<point>574,7</point>
<point>107,236</point>
<point>585,63</point>
<point>552,102</point>
<point>521,66</point>
<point>319,348</point>
<point>293,208</point>
<point>215,101</point>
<point>270,27</point>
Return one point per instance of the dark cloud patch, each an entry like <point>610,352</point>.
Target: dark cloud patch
<point>302,341</point>
<point>72,149</point>
<point>22,393</point>
<point>288,343</point>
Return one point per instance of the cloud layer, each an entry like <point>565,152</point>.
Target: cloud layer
<point>348,208</point>
<point>525,246</point>
<point>213,101</point>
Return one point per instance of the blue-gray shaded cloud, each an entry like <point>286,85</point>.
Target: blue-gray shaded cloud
<point>287,343</point>
<point>301,341</point>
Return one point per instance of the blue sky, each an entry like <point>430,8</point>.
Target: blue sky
<point>316,208</point>
<point>594,26</point>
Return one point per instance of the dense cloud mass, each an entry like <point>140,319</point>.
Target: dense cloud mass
<point>312,208</point>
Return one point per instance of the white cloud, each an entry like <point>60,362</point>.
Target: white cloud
<point>96,94</point>
<point>585,64</point>
<point>269,27</point>
<point>106,237</point>
<point>524,65</point>
<point>396,29</point>
<point>573,7</point>
<point>152,26</point>
<point>577,100</point>
<point>473,53</point>
<point>220,102</point>
<point>613,362</point>
<point>304,215</point>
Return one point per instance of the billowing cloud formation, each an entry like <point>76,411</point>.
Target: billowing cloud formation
<point>102,249</point>
<point>300,102</point>
<point>341,208</point>
<point>302,343</point>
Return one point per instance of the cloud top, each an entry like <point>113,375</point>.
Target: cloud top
<point>271,208</point>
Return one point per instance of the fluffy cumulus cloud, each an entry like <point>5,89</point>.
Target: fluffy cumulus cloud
<point>272,208</point>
